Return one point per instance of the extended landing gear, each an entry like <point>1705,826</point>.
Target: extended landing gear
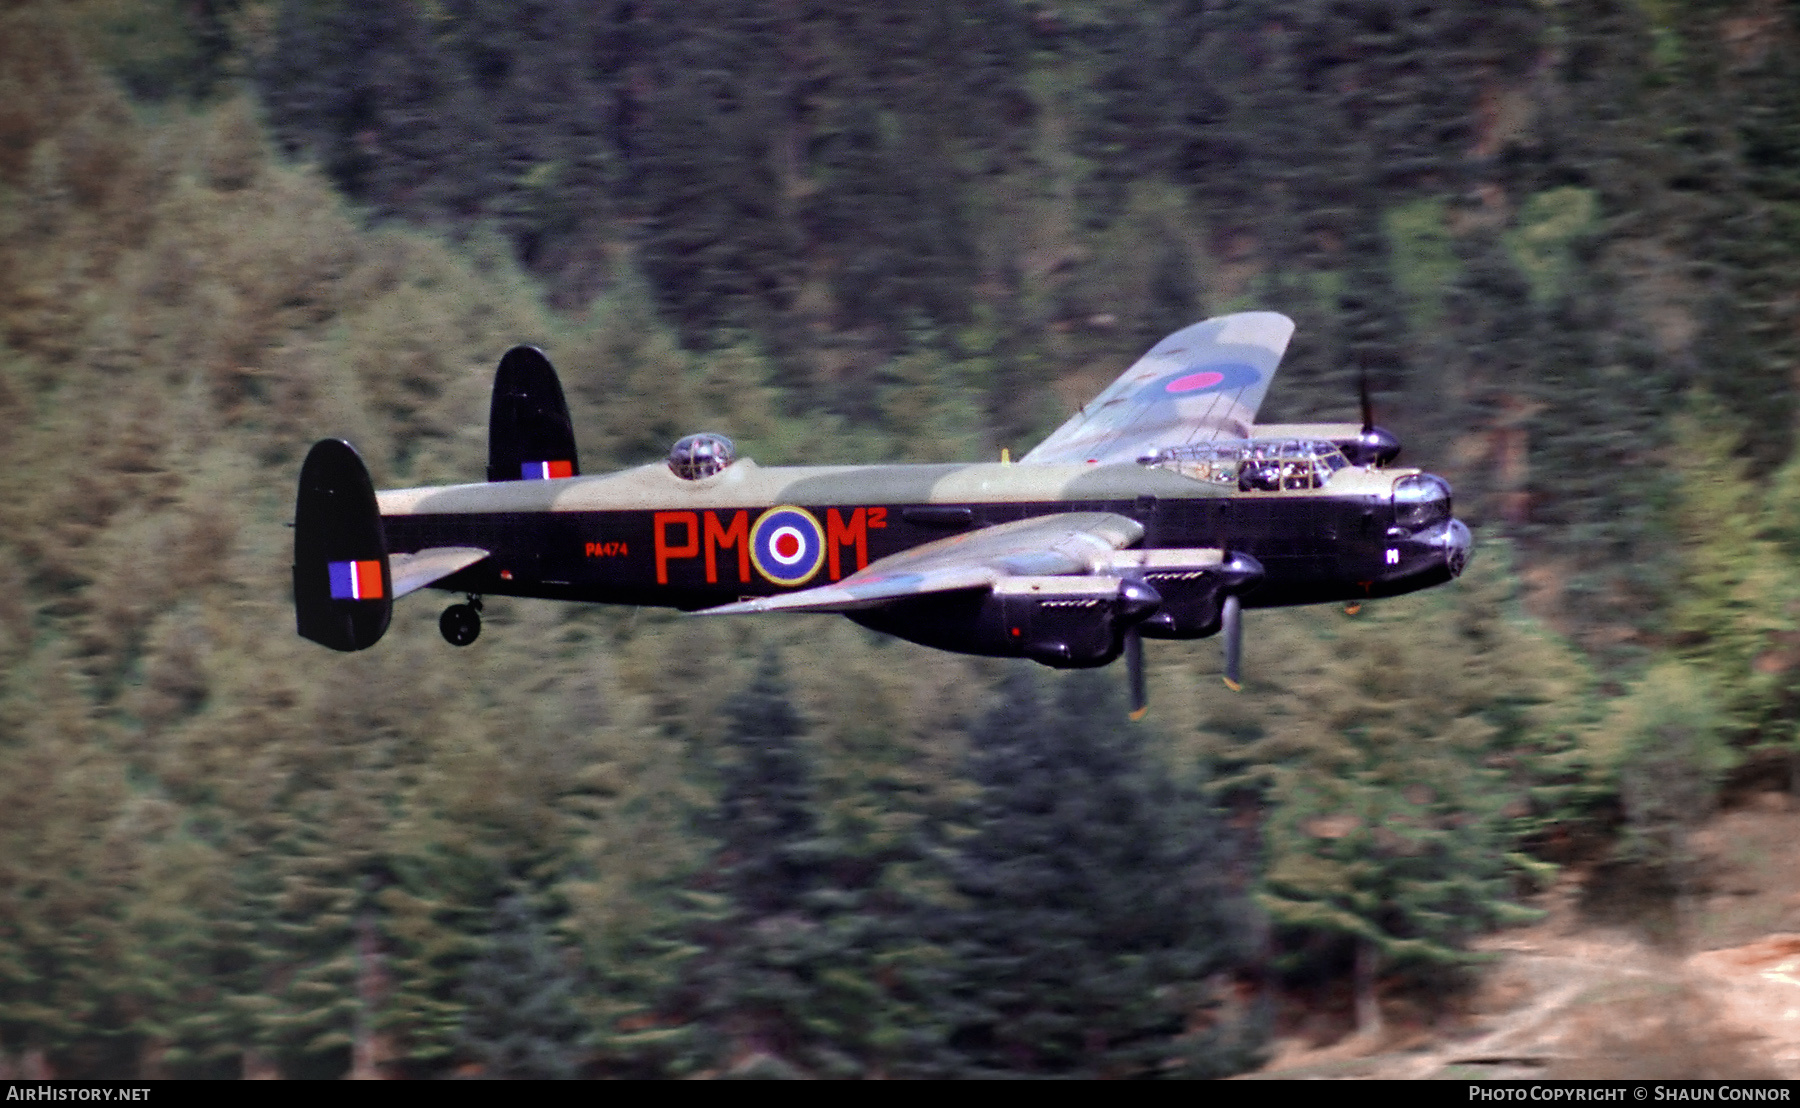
<point>461,623</point>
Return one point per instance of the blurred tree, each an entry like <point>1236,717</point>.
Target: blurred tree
<point>1407,756</point>
<point>1739,594</point>
<point>1101,909</point>
<point>163,49</point>
<point>304,895</point>
<point>76,990</point>
<point>520,1019</point>
<point>805,969</point>
<point>1666,747</point>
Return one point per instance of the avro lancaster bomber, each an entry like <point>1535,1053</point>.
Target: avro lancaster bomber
<point>1160,510</point>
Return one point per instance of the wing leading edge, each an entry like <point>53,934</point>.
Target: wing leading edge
<point>1202,382</point>
<point>1072,544</point>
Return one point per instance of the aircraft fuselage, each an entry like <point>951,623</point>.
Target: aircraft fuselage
<point>647,537</point>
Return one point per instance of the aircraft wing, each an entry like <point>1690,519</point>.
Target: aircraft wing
<point>1202,382</point>
<point>1074,543</point>
<point>412,572</point>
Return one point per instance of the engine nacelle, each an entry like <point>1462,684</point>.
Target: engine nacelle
<point>1193,585</point>
<point>1194,599</point>
<point>1066,622</point>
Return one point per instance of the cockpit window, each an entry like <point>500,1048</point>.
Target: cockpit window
<point>1265,465</point>
<point>1420,500</point>
<point>701,455</point>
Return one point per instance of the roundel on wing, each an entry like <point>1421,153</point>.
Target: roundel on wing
<point>1198,380</point>
<point>787,545</point>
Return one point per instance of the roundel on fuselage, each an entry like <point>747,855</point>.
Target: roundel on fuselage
<point>787,545</point>
<point>1198,380</point>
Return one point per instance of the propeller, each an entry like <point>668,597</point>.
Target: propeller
<point>1134,639</point>
<point>1241,572</point>
<point>1362,396</point>
<point>1232,613</point>
<point>1374,446</point>
<point>1138,601</point>
<point>1134,669</point>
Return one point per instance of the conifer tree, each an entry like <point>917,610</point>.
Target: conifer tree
<point>1738,601</point>
<point>1100,905</point>
<point>797,971</point>
<point>302,994</point>
<point>71,989</point>
<point>1663,741</point>
<point>520,1019</point>
<point>1409,755</point>
<point>1736,610</point>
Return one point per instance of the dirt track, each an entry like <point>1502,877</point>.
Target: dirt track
<point>1569,997</point>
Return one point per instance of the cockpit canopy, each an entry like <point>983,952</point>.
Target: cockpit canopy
<point>1262,465</point>
<point>1421,500</point>
<point>701,455</point>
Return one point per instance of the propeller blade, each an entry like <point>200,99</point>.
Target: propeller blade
<point>1374,446</point>
<point>1134,669</point>
<point>1233,628</point>
<point>1362,392</point>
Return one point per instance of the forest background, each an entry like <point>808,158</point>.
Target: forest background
<point>1561,236</point>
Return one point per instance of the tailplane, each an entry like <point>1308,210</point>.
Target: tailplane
<point>530,435</point>
<point>343,584</point>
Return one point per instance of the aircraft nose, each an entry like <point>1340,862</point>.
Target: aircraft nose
<point>1457,543</point>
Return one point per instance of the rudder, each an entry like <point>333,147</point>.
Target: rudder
<point>530,434</point>
<point>343,584</point>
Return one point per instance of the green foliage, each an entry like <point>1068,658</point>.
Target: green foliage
<point>932,406</point>
<point>73,980</point>
<point>1540,241</point>
<point>520,1018</point>
<point>1424,258</point>
<point>1663,741</point>
<point>1100,912</point>
<point>1405,757</point>
<point>1739,600</point>
<point>843,233</point>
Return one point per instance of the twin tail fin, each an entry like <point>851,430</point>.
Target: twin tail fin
<point>343,581</point>
<point>530,435</point>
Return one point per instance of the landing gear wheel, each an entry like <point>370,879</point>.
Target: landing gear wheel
<point>460,624</point>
